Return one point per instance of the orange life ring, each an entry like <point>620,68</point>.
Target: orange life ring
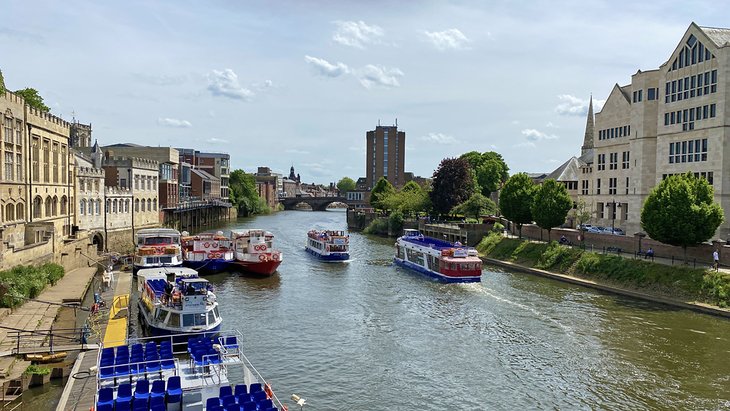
<point>268,391</point>
<point>206,245</point>
<point>211,255</point>
<point>262,257</point>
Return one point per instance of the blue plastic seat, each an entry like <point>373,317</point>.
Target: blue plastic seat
<point>106,368</point>
<point>106,397</point>
<point>229,343</point>
<point>174,391</point>
<point>140,404</point>
<point>157,404</point>
<point>105,407</point>
<point>142,389</point>
<point>255,387</point>
<point>248,406</point>
<point>258,396</point>
<point>228,399</point>
<point>137,348</point>
<point>240,389</point>
<point>213,403</point>
<point>124,397</point>
<point>158,389</point>
<point>231,407</point>
<point>264,404</point>
<point>225,390</point>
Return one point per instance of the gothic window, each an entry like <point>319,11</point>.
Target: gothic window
<point>37,207</point>
<point>9,212</point>
<point>49,207</point>
<point>64,205</point>
<point>20,211</point>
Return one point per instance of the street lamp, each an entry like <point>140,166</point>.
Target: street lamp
<point>614,204</point>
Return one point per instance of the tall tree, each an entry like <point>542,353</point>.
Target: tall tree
<point>490,170</point>
<point>380,192</point>
<point>681,211</point>
<point>453,183</point>
<point>410,200</point>
<point>346,184</point>
<point>551,205</point>
<point>477,205</point>
<point>2,83</point>
<point>33,99</point>
<point>516,198</point>
<point>243,192</point>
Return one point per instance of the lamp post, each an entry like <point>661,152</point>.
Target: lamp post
<point>614,204</point>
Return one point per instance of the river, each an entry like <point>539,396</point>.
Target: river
<point>367,335</point>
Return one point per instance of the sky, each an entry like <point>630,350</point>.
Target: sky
<point>282,83</point>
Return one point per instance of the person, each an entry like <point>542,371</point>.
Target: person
<point>716,258</point>
<point>190,290</point>
<point>649,253</point>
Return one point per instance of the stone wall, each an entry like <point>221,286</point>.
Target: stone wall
<point>120,241</point>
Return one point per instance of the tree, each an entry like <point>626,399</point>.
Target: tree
<point>243,193</point>
<point>346,184</point>
<point>33,99</point>
<point>490,170</point>
<point>681,211</point>
<point>582,215</point>
<point>516,198</point>
<point>380,192</point>
<point>477,205</point>
<point>2,84</point>
<point>410,200</point>
<point>551,205</point>
<point>453,183</point>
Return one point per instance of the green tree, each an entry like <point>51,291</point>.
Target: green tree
<point>551,205</point>
<point>681,211</point>
<point>243,193</point>
<point>33,99</point>
<point>490,170</point>
<point>380,192</point>
<point>516,198</point>
<point>410,200</point>
<point>582,215</point>
<point>2,84</point>
<point>477,205</point>
<point>346,184</point>
<point>453,183</point>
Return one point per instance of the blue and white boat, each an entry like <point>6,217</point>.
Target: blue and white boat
<point>208,253</point>
<point>175,300</point>
<point>328,245</point>
<point>441,260</point>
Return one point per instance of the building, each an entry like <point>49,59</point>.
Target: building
<point>204,186</point>
<point>385,155</point>
<point>215,164</point>
<point>269,186</point>
<point>13,170</point>
<point>90,198</point>
<point>140,177</point>
<point>667,121</point>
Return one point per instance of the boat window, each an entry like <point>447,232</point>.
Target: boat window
<point>217,315</point>
<point>161,314</point>
<point>190,320</point>
<point>173,320</point>
<point>167,260</point>
<point>211,317</point>
<point>158,240</point>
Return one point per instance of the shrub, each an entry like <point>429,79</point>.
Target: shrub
<point>489,242</point>
<point>558,256</point>
<point>37,369</point>
<point>377,226</point>
<point>395,222</point>
<point>498,228</point>
<point>23,282</point>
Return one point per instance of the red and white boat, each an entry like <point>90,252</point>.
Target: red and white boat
<point>207,253</point>
<point>254,252</point>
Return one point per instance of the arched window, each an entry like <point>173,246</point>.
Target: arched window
<point>114,206</point>
<point>96,185</point>
<point>98,207</point>
<point>126,205</point>
<point>49,207</point>
<point>20,212</point>
<point>154,204</point>
<point>54,206</point>
<point>10,212</point>
<point>82,207</point>
<point>37,207</point>
<point>149,205</point>
<point>64,205</point>
<point>136,205</point>
<point>108,207</point>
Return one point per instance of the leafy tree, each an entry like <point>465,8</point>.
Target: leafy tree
<point>582,215</point>
<point>33,99</point>
<point>346,184</point>
<point>490,170</point>
<point>380,192</point>
<point>244,194</point>
<point>681,211</point>
<point>551,205</point>
<point>477,205</point>
<point>453,183</point>
<point>2,84</point>
<point>410,200</point>
<point>515,200</point>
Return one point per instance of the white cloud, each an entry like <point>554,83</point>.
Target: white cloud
<point>214,140</point>
<point>551,125</point>
<point>173,122</point>
<point>225,83</point>
<point>324,68</point>
<point>574,106</point>
<point>372,75</point>
<point>536,135</point>
<point>439,138</point>
<point>452,39</point>
<point>525,144</point>
<point>357,34</point>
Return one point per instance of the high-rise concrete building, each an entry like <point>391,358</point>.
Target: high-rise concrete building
<point>385,155</point>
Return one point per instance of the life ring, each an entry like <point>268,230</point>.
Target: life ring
<point>275,257</point>
<point>215,245</point>
<point>268,391</point>
<point>327,248</point>
<point>262,257</point>
<point>211,255</point>
<point>206,245</point>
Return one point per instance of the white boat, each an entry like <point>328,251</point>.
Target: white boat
<point>438,259</point>
<point>328,245</point>
<point>254,252</point>
<point>157,247</point>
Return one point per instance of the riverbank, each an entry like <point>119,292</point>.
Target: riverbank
<point>697,289</point>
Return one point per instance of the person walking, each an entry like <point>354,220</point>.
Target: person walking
<point>716,259</point>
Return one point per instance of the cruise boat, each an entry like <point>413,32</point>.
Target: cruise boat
<point>439,259</point>
<point>328,245</point>
<point>174,300</point>
<point>157,247</point>
<point>202,373</point>
<point>254,252</point>
<point>207,253</point>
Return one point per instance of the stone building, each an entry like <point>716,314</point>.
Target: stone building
<point>90,199</point>
<point>140,176</point>
<point>670,120</point>
<point>269,186</point>
<point>13,182</point>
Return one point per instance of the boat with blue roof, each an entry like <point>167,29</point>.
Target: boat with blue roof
<point>328,245</point>
<point>439,259</point>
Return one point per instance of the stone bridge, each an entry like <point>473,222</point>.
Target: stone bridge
<point>317,203</point>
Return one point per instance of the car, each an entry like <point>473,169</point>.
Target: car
<point>596,230</point>
<point>618,231</point>
<point>585,227</point>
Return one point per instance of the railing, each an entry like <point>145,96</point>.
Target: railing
<point>46,340</point>
<point>121,302</point>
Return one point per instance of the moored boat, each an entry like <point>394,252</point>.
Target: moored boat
<point>438,259</point>
<point>328,245</point>
<point>176,301</point>
<point>254,252</point>
<point>207,253</point>
<point>157,247</point>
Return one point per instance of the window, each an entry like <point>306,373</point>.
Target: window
<point>98,207</point>
<point>627,185</point>
<point>46,161</point>
<point>584,187</point>
<point>625,160</point>
<point>612,185</point>
<point>601,162</point>
<point>64,204</point>
<point>598,186</point>
<point>600,210</point>
<point>82,207</point>
<point>173,320</point>
<point>9,157</point>
<point>19,167</point>
<point>613,165</point>
<point>688,151</point>
<point>8,126</point>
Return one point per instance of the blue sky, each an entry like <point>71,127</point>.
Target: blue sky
<point>277,83</point>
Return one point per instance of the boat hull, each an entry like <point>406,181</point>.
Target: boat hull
<point>436,276</point>
<point>329,257</point>
<point>136,267</point>
<point>263,268</point>
<point>208,266</point>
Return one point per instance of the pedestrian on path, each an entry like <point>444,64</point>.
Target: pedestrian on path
<point>716,258</point>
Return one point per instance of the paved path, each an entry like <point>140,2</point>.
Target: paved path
<point>35,315</point>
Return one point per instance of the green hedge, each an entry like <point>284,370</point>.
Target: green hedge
<point>378,226</point>
<point>676,281</point>
<point>22,282</point>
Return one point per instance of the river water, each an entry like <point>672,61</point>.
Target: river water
<point>366,335</point>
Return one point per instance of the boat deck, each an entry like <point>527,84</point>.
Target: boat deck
<point>430,242</point>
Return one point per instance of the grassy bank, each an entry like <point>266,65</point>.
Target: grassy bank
<point>22,282</point>
<point>678,282</point>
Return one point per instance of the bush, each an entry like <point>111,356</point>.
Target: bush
<point>37,369</point>
<point>395,222</point>
<point>377,226</point>
<point>558,256</point>
<point>498,228</point>
<point>23,282</point>
<point>489,242</point>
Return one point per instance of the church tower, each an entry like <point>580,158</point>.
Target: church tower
<point>590,128</point>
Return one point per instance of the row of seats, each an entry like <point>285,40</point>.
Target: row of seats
<point>141,361</point>
<point>143,398</point>
<point>241,398</point>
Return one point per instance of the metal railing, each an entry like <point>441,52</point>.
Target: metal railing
<point>48,340</point>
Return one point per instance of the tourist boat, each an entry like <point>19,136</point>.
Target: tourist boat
<point>174,300</point>
<point>207,253</point>
<point>439,259</point>
<point>157,247</point>
<point>328,245</point>
<point>254,252</point>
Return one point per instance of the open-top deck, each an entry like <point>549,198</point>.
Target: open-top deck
<point>415,237</point>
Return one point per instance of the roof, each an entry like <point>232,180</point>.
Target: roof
<point>587,157</point>
<point>203,174</point>
<point>719,36</point>
<point>123,145</point>
<point>567,171</point>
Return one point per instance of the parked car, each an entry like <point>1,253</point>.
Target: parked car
<point>585,227</point>
<point>618,231</point>
<point>594,229</point>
